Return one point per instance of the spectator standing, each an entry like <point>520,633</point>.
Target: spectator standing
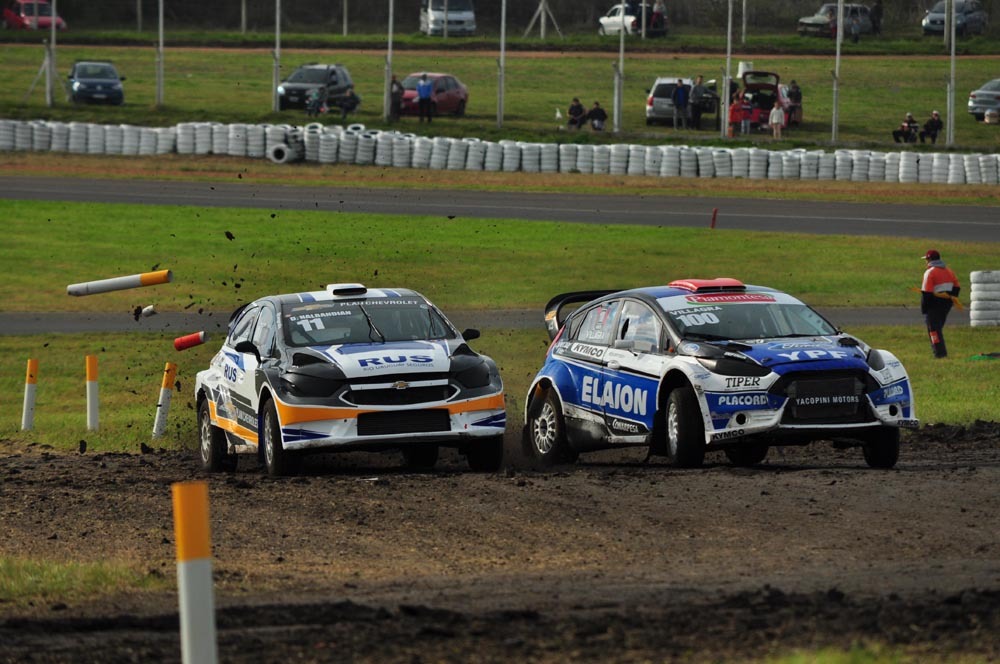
<point>907,132</point>
<point>395,98</point>
<point>855,29</point>
<point>932,127</point>
<point>576,113</point>
<point>876,16</point>
<point>735,114</point>
<point>597,117</point>
<point>425,88</point>
<point>746,113</point>
<point>680,98</point>
<point>938,292</point>
<point>794,103</point>
<point>697,99</point>
<point>776,119</point>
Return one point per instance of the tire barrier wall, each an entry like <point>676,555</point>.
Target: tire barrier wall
<point>355,144</point>
<point>985,309</point>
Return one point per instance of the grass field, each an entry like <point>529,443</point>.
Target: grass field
<point>518,265</point>
<point>234,85</point>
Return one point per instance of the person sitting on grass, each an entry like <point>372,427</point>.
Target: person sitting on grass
<point>932,128</point>
<point>597,116</point>
<point>907,132</point>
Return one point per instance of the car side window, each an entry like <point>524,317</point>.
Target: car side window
<point>263,334</point>
<point>639,325</point>
<point>598,323</point>
<point>243,327</point>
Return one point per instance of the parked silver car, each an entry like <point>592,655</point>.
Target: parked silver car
<point>824,22</point>
<point>970,18</point>
<point>985,99</point>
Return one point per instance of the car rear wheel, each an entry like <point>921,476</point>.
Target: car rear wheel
<point>882,449</point>
<point>486,456</point>
<point>685,431</point>
<point>214,450</point>
<point>277,460</point>
<point>460,110</point>
<point>420,457</point>
<point>546,435</point>
<point>746,455</point>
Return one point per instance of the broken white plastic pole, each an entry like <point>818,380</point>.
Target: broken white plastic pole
<point>194,573</point>
<point>92,393</point>
<point>30,385</point>
<point>163,405</point>
<point>121,283</point>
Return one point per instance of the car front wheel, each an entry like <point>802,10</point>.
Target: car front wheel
<point>685,431</point>
<point>882,449</point>
<point>460,109</point>
<point>485,456</point>
<point>546,435</point>
<point>420,457</point>
<point>746,455</point>
<point>277,460</point>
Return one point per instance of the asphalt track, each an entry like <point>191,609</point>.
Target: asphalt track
<point>969,223</point>
<point>965,223</point>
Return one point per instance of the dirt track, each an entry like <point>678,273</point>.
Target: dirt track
<point>607,560</point>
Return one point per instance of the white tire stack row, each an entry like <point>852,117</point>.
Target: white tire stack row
<point>985,296</point>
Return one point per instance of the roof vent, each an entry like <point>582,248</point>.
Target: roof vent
<point>709,285</point>
<point>346,290</point>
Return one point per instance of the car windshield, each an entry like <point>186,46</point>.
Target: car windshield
<point>410,82</point>
<point>453,5</point>
<point>664,90</point>
<point>992,85</point>
<point>96,71</point>
<point>373,320</point>
<point>744,316</point>
<point>308,75</point>
<point>37,9</point>
<point>827,10</point>
<point>940,7</point>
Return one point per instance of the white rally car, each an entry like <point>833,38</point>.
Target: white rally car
<point>709,364</point>
<point>348,368</point>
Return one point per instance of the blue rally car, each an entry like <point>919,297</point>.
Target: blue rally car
<point>348,368</point>
<point>707,364</point>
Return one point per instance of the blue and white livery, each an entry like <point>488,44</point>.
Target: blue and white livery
<point>710,364</point>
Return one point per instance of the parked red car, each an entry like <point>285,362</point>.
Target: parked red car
<point>763,88</point>
<point>30,15</point>
<point>450,94</point>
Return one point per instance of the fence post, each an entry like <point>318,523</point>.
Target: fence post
<point>92,407</point>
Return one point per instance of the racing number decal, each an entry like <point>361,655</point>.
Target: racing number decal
<point>694,320</point>
<point>310,324</point>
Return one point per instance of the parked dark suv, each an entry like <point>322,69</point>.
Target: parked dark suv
<point>335,79</point>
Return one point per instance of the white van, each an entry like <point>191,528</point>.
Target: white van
<point>461,17</point>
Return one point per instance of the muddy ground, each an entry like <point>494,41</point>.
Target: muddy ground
<point>608,560</point>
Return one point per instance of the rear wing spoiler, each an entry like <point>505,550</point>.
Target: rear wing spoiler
<point>553,310</point>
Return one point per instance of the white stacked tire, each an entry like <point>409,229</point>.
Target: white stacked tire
<point>402,151</point>
<point>256,141</point>
<point>8,129</point>
<point>41,136</point>
<point>585,159</point>
<point>636,160</point>
<point>511,156</point>
<point>274,135</point>
<point>706,162</point>
<point>493,161</point>
<point>166,140</point>
<point>439,153</point>
<point>670,167</point>
<point>550,158</point>
<point>220,138</point>
<point>95,139</point>
<point>689,163</point>
<point>329,146</point>
<point>758,164</point>
<point>348,149</point>
<point>311,137</point>
<point>60,137</point>
<point>775,165</point>
<point>366,149</point>
<point>186,137</point>
<point>892,162</point>
<point>988,169</point>
<point>722,161</point>
<point>844,165</point>
<point>203,138</point>
<point>809,169</point>
<point>876,167</point>
<point>422,149</point>
<point>619,159</point>
<point>531,157</point>
<point>602,160</point>
<point>22,136</point>
<point>791,165</point>
<point>909,169</point>
<point>567,157</point>
<point>457,155</point>
<point>741,163</point>
<point>653,160</point>
<point>985,308</point>
<point>956,169</point>
<point>131,138</point>
<point>384,148</point>
<point>114,139</point>
<point>932,168</point>
<point>972,172</point>
<point>859,171</point>
<point>475,154</point>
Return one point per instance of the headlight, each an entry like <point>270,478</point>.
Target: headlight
<point>313,380</point>
<point>77,85</point>
<point>477,375</point>
<point>728,366</point>
<point>281,89</point>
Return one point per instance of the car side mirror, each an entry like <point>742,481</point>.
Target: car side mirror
<point>624,344</point>
<point>121,78</point>
<point>248,347</point>
<point>470,334</point>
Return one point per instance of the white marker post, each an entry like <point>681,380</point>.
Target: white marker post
<point>163,405</point>
<point>30,385</point>
<point>194,573</point>
<point>92,393</point>
<point>121,283</point>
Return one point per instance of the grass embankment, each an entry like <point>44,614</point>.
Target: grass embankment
<point>458,263</point>
<point>24,580</point>
<point>236,86</point>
